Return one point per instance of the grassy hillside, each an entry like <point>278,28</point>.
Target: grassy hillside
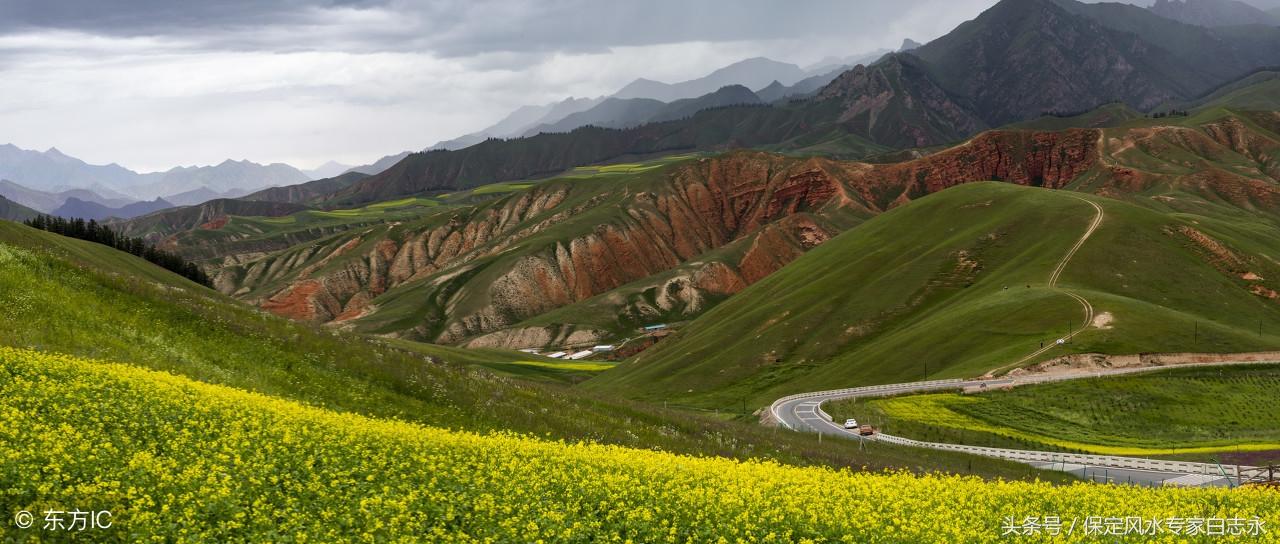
<point>175,459</point>
<point>59,295</point>
<point>1258,91</point>
<point>1181,411</point>
<point>1106,116</point>
<point>955,284</point>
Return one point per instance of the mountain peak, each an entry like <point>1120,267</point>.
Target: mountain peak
<point>909,44</point>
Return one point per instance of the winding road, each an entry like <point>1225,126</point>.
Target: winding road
<point>803,412</point>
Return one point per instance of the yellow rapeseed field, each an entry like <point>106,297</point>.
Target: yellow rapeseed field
<point>176,460</point>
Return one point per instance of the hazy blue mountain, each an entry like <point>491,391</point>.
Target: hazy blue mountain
<point>75,207</point>
<point>202,195</point>
<point>53,171</point>
<point>1212,13</point>
<point>45,202</point>
<point>327,170</point>
<point>729,95</point>
<point>381,164</point>
<point>521,121</point>
<point>803,88</point>
<point>612,113</point>
<point>840,64</point>
<point>228,176</point>
<point>751,73</point>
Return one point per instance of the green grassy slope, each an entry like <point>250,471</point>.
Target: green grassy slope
<point>1106,116</point>
<point>920,292</point>
<point>1258,92</point>
<point>1180,411</point>
<point>59,295</point>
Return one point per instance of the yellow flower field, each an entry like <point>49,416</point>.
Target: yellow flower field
<point>178,460</point>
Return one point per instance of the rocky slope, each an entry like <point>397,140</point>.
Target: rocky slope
<point>579,260</point>
<point>555,244</point>
<point>661,245</point>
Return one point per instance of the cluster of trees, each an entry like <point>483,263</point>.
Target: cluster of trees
<point>1170,113</point>
<point>93,231</point>
<point>1065,114</point>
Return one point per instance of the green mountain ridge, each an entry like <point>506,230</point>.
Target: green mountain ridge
<point>954,285</point>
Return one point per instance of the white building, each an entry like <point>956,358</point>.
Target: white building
<point>580,355</point>
<point>557,355</point>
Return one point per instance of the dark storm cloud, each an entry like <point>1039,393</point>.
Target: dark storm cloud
<point>451,27</point>
<point>153,17</point>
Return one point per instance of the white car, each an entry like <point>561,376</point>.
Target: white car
<point>851,424</point>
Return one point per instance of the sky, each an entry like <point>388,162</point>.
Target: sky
<point>152,84</point>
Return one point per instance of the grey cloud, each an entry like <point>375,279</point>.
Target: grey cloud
<point>452,27</point>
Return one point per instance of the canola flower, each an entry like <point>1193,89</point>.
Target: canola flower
<point>177,460</point>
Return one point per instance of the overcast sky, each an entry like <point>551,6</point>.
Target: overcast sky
<point>152,84</point>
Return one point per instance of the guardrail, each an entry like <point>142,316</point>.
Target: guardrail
<point>865,391</point>
<point>1108,461</point>
<point>1233,471</point>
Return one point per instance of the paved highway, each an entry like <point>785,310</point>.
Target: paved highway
<point>804,413</point>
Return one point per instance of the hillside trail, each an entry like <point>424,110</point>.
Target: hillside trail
<point>1053,284</point>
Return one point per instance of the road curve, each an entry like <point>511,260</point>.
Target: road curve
<point>1098,216</point>
<point>804,413</point>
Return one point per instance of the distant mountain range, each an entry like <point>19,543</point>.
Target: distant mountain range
<point>1214,13</point>
<point>54,171</point>
<point>641,100</point>
<point>752,73</point>
<point>46,202</point>
<point>1013,62</point>
<point>74,207</point>
<point>328,170</point>
<point>56,183</point>
<point>631,112</point>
